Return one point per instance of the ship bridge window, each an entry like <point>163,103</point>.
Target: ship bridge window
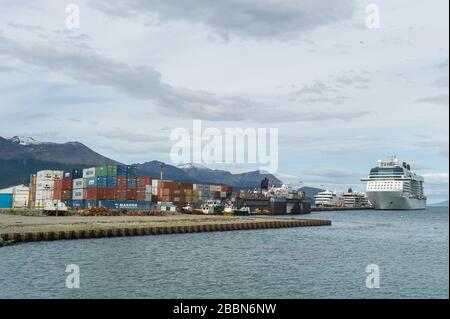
<point>386,171</point>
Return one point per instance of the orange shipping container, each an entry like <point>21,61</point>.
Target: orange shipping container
<point>96,193</point>
<point>110,193</point>
<point>131,194</point>
<point>122,182</point>
<point>142,181</point>
<point>120,194</point>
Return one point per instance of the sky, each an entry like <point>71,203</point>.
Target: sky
<point>342,94</point>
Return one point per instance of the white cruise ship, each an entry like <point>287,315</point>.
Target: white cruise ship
<point>392,185</point>
<point>327,198</point>
<point>354,199</point>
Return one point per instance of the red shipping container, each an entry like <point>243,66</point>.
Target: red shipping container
<point>120,194</point>
<point>122,182</point>
<point>91,193</point>
<point>96,193</point>
<point>110,193</point>
<point>185,186</point>
<point>57,195</point>
<point>57,191</point>
<point>140,195</point>
<point>67,184</point>
<point>66,194</point>
<point>142,181</point>
<point>131,194</point>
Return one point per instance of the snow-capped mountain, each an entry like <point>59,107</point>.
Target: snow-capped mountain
<point>23,140</point>
<point>192,166</point>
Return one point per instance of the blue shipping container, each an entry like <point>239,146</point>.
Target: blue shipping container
<point>122,170</point>
<point>6,200</point>
<point>78,204</point>
<point>111,182</point>
<point>126,205</point>
<point>77,173</point>
<point>91,203</point>
<point>96,182</point>
<point>68,203</point>
<point>131,183</point>
<point>131,171</point>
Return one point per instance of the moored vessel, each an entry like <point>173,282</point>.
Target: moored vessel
<point>392,185</point>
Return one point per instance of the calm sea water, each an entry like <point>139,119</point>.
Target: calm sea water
<point>410,248</point>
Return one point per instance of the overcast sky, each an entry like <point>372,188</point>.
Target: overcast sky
<point>341,94</point>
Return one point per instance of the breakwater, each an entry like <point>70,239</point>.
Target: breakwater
<point>64,228</point>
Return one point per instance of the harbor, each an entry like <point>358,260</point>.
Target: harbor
<point>20,229</point>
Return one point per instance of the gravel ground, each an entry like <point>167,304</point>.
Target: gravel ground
<point>22,224</point>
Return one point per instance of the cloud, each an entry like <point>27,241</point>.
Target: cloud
<point>144,82</point>
<point>317,87</point>
<point>440,99</point>
<point>436,178</point>
<point>331,173</point>
<point>280,19</point>
<point>439,146</point>
<point>330,91</point>
<point>442,82</point>
<point>357,81</point>
<point>442,65</point>
<point>26,27</point>
<point>123,135</point>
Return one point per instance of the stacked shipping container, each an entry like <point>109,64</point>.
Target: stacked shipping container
<point>111,184</point>
<point>44,187</point>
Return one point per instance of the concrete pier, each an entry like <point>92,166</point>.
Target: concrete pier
<point>21,229</point>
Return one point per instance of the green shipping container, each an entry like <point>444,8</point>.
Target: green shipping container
<point>112,170</point>
<point>101,171</point>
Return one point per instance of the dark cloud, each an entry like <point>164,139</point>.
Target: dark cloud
<point>145,83</point>
<point>257,19</point>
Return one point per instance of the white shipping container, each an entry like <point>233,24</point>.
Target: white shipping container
<point>20,201</point>
<point>44,195</point>
<point>78,183</point>
<point>78,194</point>
<point>198,187</point>
<point>89,172</point>
<point>20,196</point>
<point>215,188</point>
<point>47,174</point>
<point>42,185</point>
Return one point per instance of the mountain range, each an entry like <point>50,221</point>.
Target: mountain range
<point>22,156</point>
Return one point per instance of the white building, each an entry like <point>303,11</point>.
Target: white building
<point>20,195</point>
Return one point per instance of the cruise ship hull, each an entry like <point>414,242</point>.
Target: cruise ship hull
<point>394,201</point>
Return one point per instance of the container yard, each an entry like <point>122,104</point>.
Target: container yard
<point>115,188</point>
